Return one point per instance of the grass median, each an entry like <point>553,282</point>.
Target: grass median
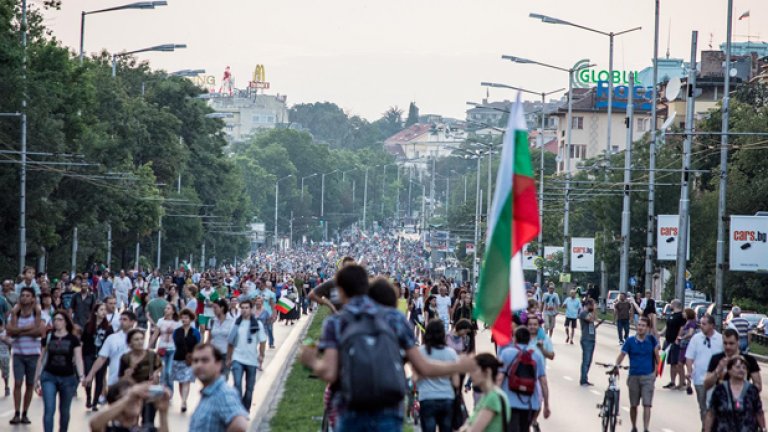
<point>301,407</point>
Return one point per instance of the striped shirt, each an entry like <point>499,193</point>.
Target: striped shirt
<point>219,405</point>
<point>26,345</point>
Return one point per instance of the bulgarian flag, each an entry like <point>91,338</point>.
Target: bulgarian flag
<point>513,222</point>
<point>284,305</point>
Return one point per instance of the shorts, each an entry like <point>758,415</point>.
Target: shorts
<point>550,320</point>
<point>570,322</point>
<point>641,387</point>
<point>24,367</point>
<point>203,320</point>
<point>673,357</point>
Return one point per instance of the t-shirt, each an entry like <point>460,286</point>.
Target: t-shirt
<point>551,303</point>
<point>156,308</point>
<point>113,349</point>
<point>701,349</point>
<point>741,325</point>
<point>572,307</point>
<point>144,369</point>
<point>114,320</point>
<point>752,365</point>
<point>437,388</point>
<point>245,351</point>
<point>493,401</point>
<point>640,354</point>
<point>61,354</point>
<point>167,327</point>
<point>622,309</point>
<point>587,327</point>
<point>507,356</point>
<point>443,305</point>
<point>220,332</point>
<point>269,298</point>
<point>674,324</point>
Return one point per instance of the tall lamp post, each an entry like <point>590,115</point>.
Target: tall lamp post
<point>163,48</point>
<point>584,64</point>
<point>540,240</point>
<point>136,5</point>
<point>302,184</point>
<point>365,194</point>
<point>322,202</point>
<point>277,194</point>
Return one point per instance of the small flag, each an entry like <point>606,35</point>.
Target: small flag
<point>744,15</point>
<point>136,296</point>
<point>284,305</point>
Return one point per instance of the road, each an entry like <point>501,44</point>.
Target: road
<point>571,404</point>
<point>285,337</point>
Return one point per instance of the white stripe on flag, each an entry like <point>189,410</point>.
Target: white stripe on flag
<point>517,284</point>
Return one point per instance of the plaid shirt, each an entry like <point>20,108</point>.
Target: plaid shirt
<point>219,405</point>
<point>334,325</point>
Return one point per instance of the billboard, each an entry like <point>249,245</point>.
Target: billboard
<point>667,232</point>
<point>550,251</point>
<point>748,245</point>
<point>529,258</point>
<point>583,254</point>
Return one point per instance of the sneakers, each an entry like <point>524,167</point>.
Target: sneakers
<point>671,385</point>
<point>25,420</point>
<point>15,420</point>
<point>689,390</point>
<point>587,384</point>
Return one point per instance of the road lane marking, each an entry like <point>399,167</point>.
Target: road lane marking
<point>625,408</point>
<point>667,430</point>
<point>595,392</point>
<point>567,378</point>
<point>6,414</point>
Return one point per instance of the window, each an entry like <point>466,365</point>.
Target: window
<point>643,124</point>
<point>256,119</point>
<point>614,149</point>
<point>578,151</point>
<point>577,122</point>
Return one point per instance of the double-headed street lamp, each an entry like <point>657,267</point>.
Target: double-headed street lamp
<point>584,64</point>
<point>302,184</point>
<point>137,5</point>
<point>277,194</point>
<point>539,272</point>
<point>163,48</point>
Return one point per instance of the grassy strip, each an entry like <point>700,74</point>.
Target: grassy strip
<point>301,406</point>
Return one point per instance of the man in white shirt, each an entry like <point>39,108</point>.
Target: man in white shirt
<point>443,306</point>
<point>701,348</point>
<point>113,349</point>
<point>245,352</point>
<point>122,287</point>
<point>113,317</point>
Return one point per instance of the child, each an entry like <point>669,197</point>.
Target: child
<point>5,356</point>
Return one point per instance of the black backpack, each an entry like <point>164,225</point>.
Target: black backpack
<point>371,374</point>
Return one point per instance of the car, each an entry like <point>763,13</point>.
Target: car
<point>726,311</point>
<point>701,310</point>
<point>694,304</point>
<point>611,298</point>
<point>660,308</point>
<point>762,326</point>
<point>754,319</point>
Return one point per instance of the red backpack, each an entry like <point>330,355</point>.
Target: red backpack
<point>521,374</point>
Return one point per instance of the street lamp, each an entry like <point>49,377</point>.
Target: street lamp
<point>384,186</point>
<point>277,194</point>
<point>302,185</point>
<point>163,48</point>
<point>365,194</point>
<point>539,272</point>
<point>584,64</point>
<point>137,5</point>
<point>322,202</point>
<point>343,179</point>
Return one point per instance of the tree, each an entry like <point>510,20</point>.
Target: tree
<point>413,115</point>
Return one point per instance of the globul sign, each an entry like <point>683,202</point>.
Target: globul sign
<point>586,78</point>
<point>642,97</point>
<point>748,248</point>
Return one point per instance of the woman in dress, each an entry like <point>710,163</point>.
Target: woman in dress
<point>735,405</point>
<point>95,333</point>
<point>59,370</point>
<point>184,338</point>
<point>166,348</point>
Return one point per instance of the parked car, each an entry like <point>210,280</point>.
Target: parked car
<point>694,304</point>
<point>762,326</point>
<point>754,319</point>
<point>613,295</point>
<point>701,310</point>
<point>726,311</point>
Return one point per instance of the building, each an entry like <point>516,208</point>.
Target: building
<point>421,141</point>
<point>245,113</point>
<point>747,48</point>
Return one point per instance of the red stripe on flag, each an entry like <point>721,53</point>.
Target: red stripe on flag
<point>502,327</point>
<point>525,212</point>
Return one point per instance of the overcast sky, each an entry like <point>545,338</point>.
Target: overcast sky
<point>367,55</point>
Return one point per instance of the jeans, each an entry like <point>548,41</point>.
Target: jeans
<point>166,377</point>
<point>270,334</point>
<point>701,398</point>
<point>352,421</point>
<point>520,420</point>
<point>98,379</point>
<point>587,349</point>
<point>622,326</point>
<point>66,387</point>
<point>436,413</point>
<point>250,379</point>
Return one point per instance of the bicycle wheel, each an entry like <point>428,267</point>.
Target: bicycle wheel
<point>609,419</point>
<point>615,415</point>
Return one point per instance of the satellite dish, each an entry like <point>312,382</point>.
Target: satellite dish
<point>673,89</point>
<point>668,121</point>
<point>733,72</point>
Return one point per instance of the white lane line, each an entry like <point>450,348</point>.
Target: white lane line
<point>625,408</point>
<point>667,430</point>
<point>595,392</point>
<point>567,378</point>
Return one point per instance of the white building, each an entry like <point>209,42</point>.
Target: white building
<point>247,113</point>
<point>421,142</point>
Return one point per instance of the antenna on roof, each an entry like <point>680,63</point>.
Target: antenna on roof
<point>669,35</point>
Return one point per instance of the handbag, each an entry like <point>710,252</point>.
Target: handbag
<point>459,412</point>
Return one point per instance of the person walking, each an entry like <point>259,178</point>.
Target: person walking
<point>126,401</point>
<point>122,288</point>
<point>113,349</point>
<point>105,287</point>
<point>716,371</point>
<point>550,302</point>
<point>95,333</point>
<point>671,334</point>
<point>83,305</point>
<point>436,395</point>
<point>541,343</point>
<point>59,370</point>
<point>589,325</point>
<point>735,405</point>
<point>184,339</point>
<point>156,308</point>
<point>698,354</point>
<point>741,325</point>
<point>25,326</point>
<point>113,316</point>
<point>221,326</point>
<point>642,350</point>
<point>572,306</point>
<point>163,336</point>
<point>492,412</point>
<point>245,351</point>
<point>622,311</point>
<point>220,408</point>
<point>686,333</point>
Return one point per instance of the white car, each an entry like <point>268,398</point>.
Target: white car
<point>612,297</point>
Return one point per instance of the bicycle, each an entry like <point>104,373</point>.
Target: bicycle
<point>609,409</point>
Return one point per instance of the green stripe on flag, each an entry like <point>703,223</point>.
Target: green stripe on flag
<point>493,287</point>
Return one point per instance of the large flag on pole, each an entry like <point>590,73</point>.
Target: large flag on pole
<point>513,222</point>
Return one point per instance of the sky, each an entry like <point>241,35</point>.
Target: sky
<point>368,55</point>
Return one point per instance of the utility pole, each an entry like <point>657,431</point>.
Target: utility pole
<point>567,198</point>
<point>290,240</point>
<point>159,243</point>
<point>365,196</point>
<point>410,186</point>
<point>478,207</point>
<point>540,239</point>
<point>109,245</point>
<point>685,203</point>
<point>383,190</point>
<point>138,250</point>
<point>202,257</point>
<point>650,231</point>
<point>73,267</point>
<point>625,210</point>
<point>397,206</point>
<point>432,189</point>
<point>23,169</point>
<point>721,197</point>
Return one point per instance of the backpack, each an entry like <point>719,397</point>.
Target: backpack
<point>371,374</point>
<point>521,374</point>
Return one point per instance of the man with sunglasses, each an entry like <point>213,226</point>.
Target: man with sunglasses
<point>701,348</point>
